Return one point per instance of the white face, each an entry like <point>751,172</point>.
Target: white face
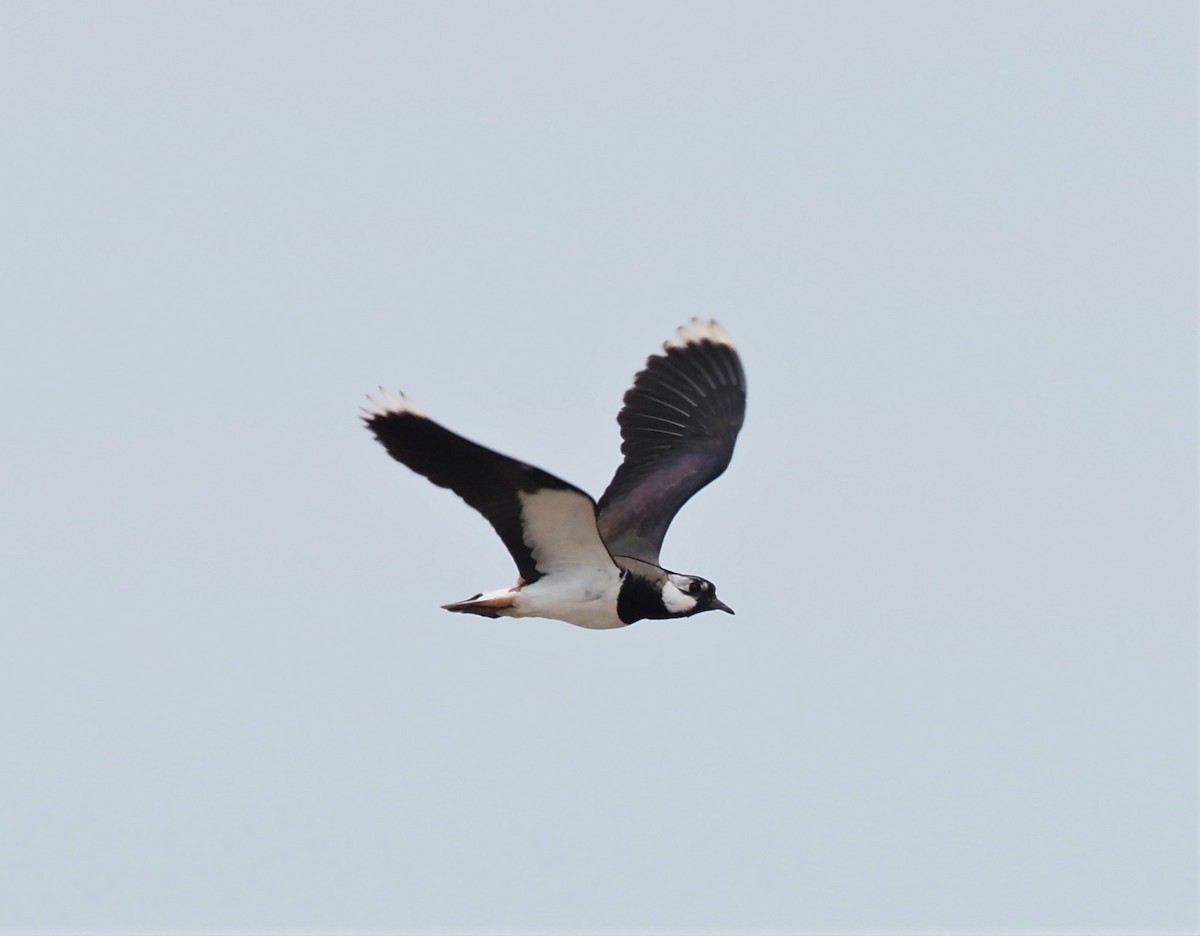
<point>681,593</point>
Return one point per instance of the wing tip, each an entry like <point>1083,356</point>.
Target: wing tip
<point>698,331</point>
<point>389,404</point>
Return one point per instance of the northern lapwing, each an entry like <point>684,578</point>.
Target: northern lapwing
<point>595,564</point>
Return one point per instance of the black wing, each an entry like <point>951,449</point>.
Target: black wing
<point>546,523</point>
<point>679,424</point>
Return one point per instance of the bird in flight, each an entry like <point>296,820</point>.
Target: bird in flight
<point>594,564</point>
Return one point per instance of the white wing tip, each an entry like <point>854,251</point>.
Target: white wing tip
<point>697,331</point>
<point>388,403</point>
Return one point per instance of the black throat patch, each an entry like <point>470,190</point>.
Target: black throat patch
<point>640,598</point>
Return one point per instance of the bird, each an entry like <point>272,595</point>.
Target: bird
<point>594,564</point>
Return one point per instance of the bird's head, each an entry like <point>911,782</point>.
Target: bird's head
<point>685,595</point>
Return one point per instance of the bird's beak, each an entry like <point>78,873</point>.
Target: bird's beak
<point>718,605</point>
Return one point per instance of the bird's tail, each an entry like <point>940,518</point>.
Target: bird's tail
<point>493,605</point>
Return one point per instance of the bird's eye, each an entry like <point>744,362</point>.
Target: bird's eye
<point>695,587</point>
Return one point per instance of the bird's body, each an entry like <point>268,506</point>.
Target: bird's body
<point>595,565</point>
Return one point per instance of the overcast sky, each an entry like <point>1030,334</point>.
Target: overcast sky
<point>955,244</point>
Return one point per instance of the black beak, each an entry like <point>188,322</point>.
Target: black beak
<point>718,605</point>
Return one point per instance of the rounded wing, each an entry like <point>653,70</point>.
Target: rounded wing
<point>547,524</point>
<point>679,424</point>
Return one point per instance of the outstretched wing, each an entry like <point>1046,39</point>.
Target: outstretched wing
<point>679,424</point>
<point>547,524</point>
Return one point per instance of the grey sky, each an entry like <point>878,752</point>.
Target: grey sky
<point>955,244</point>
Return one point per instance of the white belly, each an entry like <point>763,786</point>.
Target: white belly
<point>585,598</point>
